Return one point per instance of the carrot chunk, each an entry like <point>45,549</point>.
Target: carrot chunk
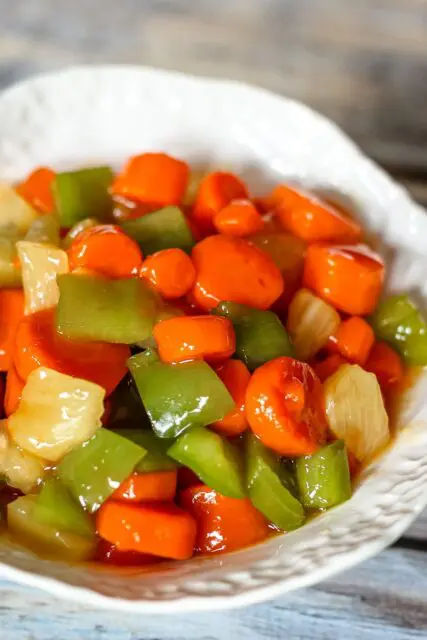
<point>235,376</point>
<point>238,219</point>
<point>355,339</point>
<point>170,271</point>
<point>36,189</point>
<point>386,364</point>
<point>216,191</point>
<point>145,487</point>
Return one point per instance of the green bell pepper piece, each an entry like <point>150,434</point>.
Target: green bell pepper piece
<point>213,458</point>
<point>269,487</point>
<point>156,458</point>
<point>82,194</point>
<point>163,229</point>
<point>56,508</point>
<point>95,308</point>
<point>179,396</point>
<point>80,226</point>
<point>260,336</point>
<point>398,321</point>
<point>44,229</point>
<point>95,469</point>
<point>324,477</point>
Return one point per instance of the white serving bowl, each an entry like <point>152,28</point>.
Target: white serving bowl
<point>87,115</point>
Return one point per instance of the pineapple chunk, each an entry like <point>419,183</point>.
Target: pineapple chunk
<point>311,321</point>
<point>16,215</point>
<point>44,538</point>
<point>21,469</point>
<point>41,263</point>
<point>355,410</point>
<point>57,412</point>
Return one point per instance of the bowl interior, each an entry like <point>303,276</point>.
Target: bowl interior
<point>90,115</point>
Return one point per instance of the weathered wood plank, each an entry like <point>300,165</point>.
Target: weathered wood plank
<point>382,599</point>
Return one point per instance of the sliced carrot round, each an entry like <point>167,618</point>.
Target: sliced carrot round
<point>194,337</point>
<point>170,271</point>
<point>145,487</point>
<point>234,269</point>
<point>235,376</point>
<point>240,218</point>
<point>107,250</point>
<point>284,407</point>
<point>216,191</point>
<point>349,278</point>
<point>39,345</point>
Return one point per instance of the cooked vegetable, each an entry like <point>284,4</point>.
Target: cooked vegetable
<point>235,376</point>
<point>385,363</point>
<point>160,529</point>
<point>171,272</point>
<point>213,459</point>
<point>260,336</point>
<point>284,407</point>
<point>17,215</point>
<point>177,397</point>
<point>48,540</point>
<point>266,490</point>
<point>324,477</point>
<point>95,308</point>
<point>36,189</point>
<point>56,413</point>
<point>216,190</point>
<point>21,469</point>
<point>234,269</point>
<point>310,323</point>
<point>82,194</point>
<point>163,229</point>
<point>355,411</point>
<point>41,264</point>
<point>398,321</point>
<point>349,278</point>
<point>10,268</point>
<point>156,486</point>
<point>191,338</point>
<point>11,314</point>
<point>79,227</point>
<point>56,508</point>
<point>223,524</point>
<point>95,469</point>
<point>107,250</point>
<point>38,344</point>
<point>240,218</point>
<point>355,339</point>
<point>154,178</point>
<point>44,229</point>
<point>156,458</point>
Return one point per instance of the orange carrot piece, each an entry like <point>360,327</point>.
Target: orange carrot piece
<point>355,339</point>
<point>170,271</point>
<point>11,313</point>
<point>234,269</point>
<point>38,344</point>
<point>307,217</point>
<point>235,376</point>
<point>386,364</point>
<point>14,387</point>
<point>194,337</point>
<point>240,218</point>
<point>107,250</point>
<point>145,487</point>
<point>349,278</point>
<point>154,178</point>
<point>223,524</point>
<point>162,530</point>
<point>216,191</point>
<point>36,189</point>
<point>328,366</point>
<point>284,407</point>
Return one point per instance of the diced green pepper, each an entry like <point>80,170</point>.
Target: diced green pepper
<point>156,458</point>
<point>213,458</point>
<point>269,487</point>
<point>82,194</point>
<point>98,309</point>
<point>260,336</point>
<point>324,477</point>
<point>95,469</point>
<point>80,226</point>
<point>163,229</point>
<point>44,229</point>
<point>179,396</point>
<point>10,270</point>
<point>398,321</point>
<point>56,508</point>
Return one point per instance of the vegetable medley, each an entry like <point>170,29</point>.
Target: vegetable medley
<point>186,369</point>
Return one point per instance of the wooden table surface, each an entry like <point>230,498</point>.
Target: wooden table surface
<point>362,63</point>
